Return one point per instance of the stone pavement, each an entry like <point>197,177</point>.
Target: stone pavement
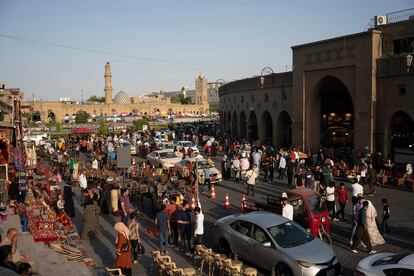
<point>48,262</point>
<point>102,248</point>
<point>400,238</point>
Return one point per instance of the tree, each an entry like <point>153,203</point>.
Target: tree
<point>58,127</point>
<point>81,117</point>
<point>181,99</point>
<point>139,123</point>
<point>103,127</point>
<point>96,99</point>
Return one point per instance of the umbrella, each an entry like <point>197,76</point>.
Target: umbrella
<point>82,130</point>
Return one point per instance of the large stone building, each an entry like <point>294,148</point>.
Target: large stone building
<point>122,103</point>
<point>354,91</point>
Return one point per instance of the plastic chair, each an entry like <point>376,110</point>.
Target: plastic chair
<point>114,271</point>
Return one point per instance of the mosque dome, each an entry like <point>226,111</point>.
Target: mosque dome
<point>122,98</point>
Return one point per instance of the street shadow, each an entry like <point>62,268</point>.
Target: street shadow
<point>105,254</point>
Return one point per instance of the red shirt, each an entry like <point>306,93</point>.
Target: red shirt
<point>342,195</point>
<point>170,209</point>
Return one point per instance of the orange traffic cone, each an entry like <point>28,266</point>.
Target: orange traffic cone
<point>227,203</point>
<point>193,204</point>
<point>243,203</point>
<point>213,192</point>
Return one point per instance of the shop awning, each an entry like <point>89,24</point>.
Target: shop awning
<point>82,130</point>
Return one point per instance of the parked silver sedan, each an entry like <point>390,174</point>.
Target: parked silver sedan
<point>273,242</point>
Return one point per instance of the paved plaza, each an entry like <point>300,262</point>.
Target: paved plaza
<point>401,237</point>
<point>101,249</point>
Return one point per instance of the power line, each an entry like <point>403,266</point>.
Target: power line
<point>22,39</point>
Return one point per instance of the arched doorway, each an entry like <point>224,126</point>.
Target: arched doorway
<point>228,127</point>
<point>234,125</point>
<point>51,116</point>
<point>336,115</point>
<point>242,125</point>
<point>266,126</point>
<point>252,131</point>
<point>284,130</point>
<point>402,132</point>
<point>36,117</point>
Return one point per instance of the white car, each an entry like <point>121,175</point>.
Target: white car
<point>158,138</point>
<point>186,145</point>
<point>166,145</point>
<point>215,175</point>
<point>389,264</point>
<point>166,158</point>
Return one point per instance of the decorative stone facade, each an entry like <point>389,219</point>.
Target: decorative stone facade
<point>367,72</point>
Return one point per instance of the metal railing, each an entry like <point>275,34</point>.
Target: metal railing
<point>394,65</point>
<point>400,15</point>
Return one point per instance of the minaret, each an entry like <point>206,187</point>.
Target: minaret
<point>201,90</point>
<point>108,84</point>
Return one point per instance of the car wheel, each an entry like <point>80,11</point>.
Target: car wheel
<point>283,270</point>
<point>225,248</point>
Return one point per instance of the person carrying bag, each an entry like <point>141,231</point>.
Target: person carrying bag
<point>134,237</point>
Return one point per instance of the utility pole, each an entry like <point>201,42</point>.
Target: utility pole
<point>81,96</point>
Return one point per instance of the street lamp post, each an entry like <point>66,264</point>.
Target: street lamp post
<point>218,84</point>
<point>265,71</point>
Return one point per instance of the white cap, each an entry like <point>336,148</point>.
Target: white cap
<point>284,195</point>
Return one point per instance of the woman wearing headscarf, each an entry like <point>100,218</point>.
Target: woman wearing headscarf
<point>123,258</point>
<point>374,234</point>
<point>68,199</point>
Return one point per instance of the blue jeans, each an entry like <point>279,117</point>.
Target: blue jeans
<point>384,226</point>
<point>354,226</point>
<point>124,219</point>
<point>163,236</point>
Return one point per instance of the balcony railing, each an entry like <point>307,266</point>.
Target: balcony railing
<point>394,65</point>
<point>400,16</point>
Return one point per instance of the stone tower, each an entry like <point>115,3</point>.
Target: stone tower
<point>108,84</point>
<point>201,90</point>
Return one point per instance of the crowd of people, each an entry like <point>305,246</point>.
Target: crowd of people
<point>178,222</point>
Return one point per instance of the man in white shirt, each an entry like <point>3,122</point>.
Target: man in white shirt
<point>356,190</point>
<point>256,158</point>
<point>83,182</point>
<point>287,210</point>
<point>199,225</point>
<point>330,200</point>
<point>282,166</point>
<point>251,177</point>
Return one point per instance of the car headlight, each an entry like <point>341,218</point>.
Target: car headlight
<point>323,219</point>
<point>304,263</point>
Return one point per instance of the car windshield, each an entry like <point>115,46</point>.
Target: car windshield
<point>289,234</point>
<point>315,204</point>
<point>202,164</point>
<point>186,144</point>
<point>168,146</point>
<point>165,155</point>
<point>394,259</point>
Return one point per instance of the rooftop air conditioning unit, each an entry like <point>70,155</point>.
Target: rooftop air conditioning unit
<point>380,20</point>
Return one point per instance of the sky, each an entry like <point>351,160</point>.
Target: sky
<point>52,49</point>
